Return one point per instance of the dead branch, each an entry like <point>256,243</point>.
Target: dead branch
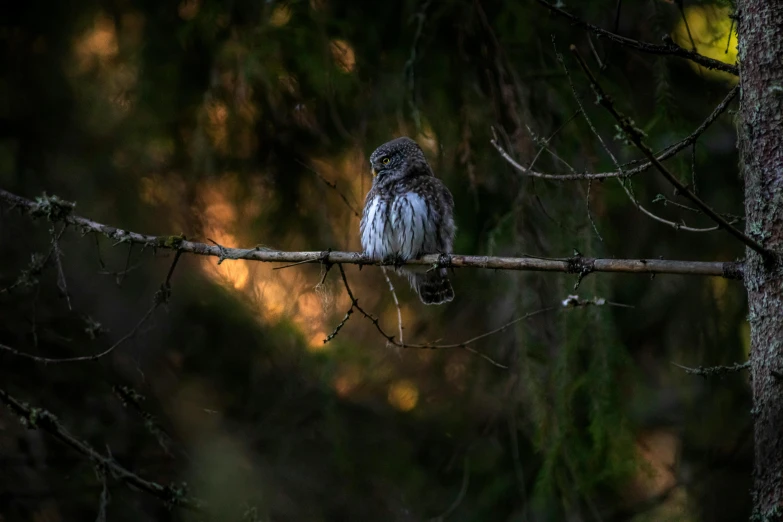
<point>667,48</point>
<point>665,154</point>
<point>635,135</point>
<point>571,301</point>
<point>624,182</point>
<point>45,420</point>
<point>570,265</point>
<point>160,297</point>
<point>712,371</point>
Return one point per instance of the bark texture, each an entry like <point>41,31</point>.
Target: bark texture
<point>761,153</point>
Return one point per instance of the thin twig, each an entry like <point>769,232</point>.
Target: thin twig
<point>713,371</point>
<point>635,135</point>
<point>103,502</point>
<point>668,48</point>
<point>728,40</point>
<point>590,214</point>
<point>421,18</point>
<point>569,302</point>
<point>693,169</point>
<point>601,64</point>
<point>572,301</point>
<point>396,302</point>
<point>93,357</point>
<point>121,276</point>
<point>130,397</point>
<point>61,282</point>
<point>681,7</point>
<point>624,182</point>
<point>161,297</point>
<point>333,186</point>
<point>461,495</point>
<point>390,338</point>
<point>43,419</point>
<point>339,325</point>
<point>662,155</point>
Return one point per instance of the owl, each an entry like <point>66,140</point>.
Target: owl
<point>408,212</point>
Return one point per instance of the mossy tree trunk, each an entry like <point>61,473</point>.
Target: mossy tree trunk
<point>761,153</point>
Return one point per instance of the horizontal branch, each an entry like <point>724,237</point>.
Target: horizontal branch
<point>668,48</point>
<point>571,265</point>
<point>711,371</point>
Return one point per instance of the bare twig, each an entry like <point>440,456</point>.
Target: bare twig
<point>571,301</point>
<point>601,64</point>
<point>421,18</point>
<point>668,48</point>
<point>666,153</point>
<point>635,135</point>
<point>103,502</point>
<point>590,214</point>
<point>339,325</point>
<point>332,185</point>
<point>62,284</point>
<point>714,371</point>
<point>730,270</point>
<point>121,276</point>
<point>681,7</point>
<point>93,357</point>
<point>624,182</point>
<point>396,302</point>
<point>693,169</point>
<point>461,495</point>
<point>161,297</point>
<point>130,397</point>
<point>728,39</point>
<point>43,419</point>
<point>390,338</point>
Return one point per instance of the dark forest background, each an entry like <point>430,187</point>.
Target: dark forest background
<point>221,120</point>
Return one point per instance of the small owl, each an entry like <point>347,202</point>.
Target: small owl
<point>408,213</point>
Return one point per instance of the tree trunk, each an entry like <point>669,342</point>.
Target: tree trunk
<point>761,155</point>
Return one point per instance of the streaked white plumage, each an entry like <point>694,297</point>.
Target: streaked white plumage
<point>405,231</point>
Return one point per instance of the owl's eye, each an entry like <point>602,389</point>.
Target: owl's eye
<point>385,160</point>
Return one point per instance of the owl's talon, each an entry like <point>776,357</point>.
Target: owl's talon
<point>394,260</point>
<point>444,260</point>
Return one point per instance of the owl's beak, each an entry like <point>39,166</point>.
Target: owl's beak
<point>374,172</point>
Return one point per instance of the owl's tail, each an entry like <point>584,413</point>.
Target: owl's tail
<point>433,287</point>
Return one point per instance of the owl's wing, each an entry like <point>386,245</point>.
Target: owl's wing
<point>440,213</point>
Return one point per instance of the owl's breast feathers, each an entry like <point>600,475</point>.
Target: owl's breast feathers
<point>408,218</point>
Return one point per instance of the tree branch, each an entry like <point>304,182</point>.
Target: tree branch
<point>668,48</point>
<point>39,418</point>
<point>569,265</point>
<point>635,135</point>
<point>665,154</point>
<point>710,371</point>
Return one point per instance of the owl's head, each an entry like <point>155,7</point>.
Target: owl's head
<point>396,158</point>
